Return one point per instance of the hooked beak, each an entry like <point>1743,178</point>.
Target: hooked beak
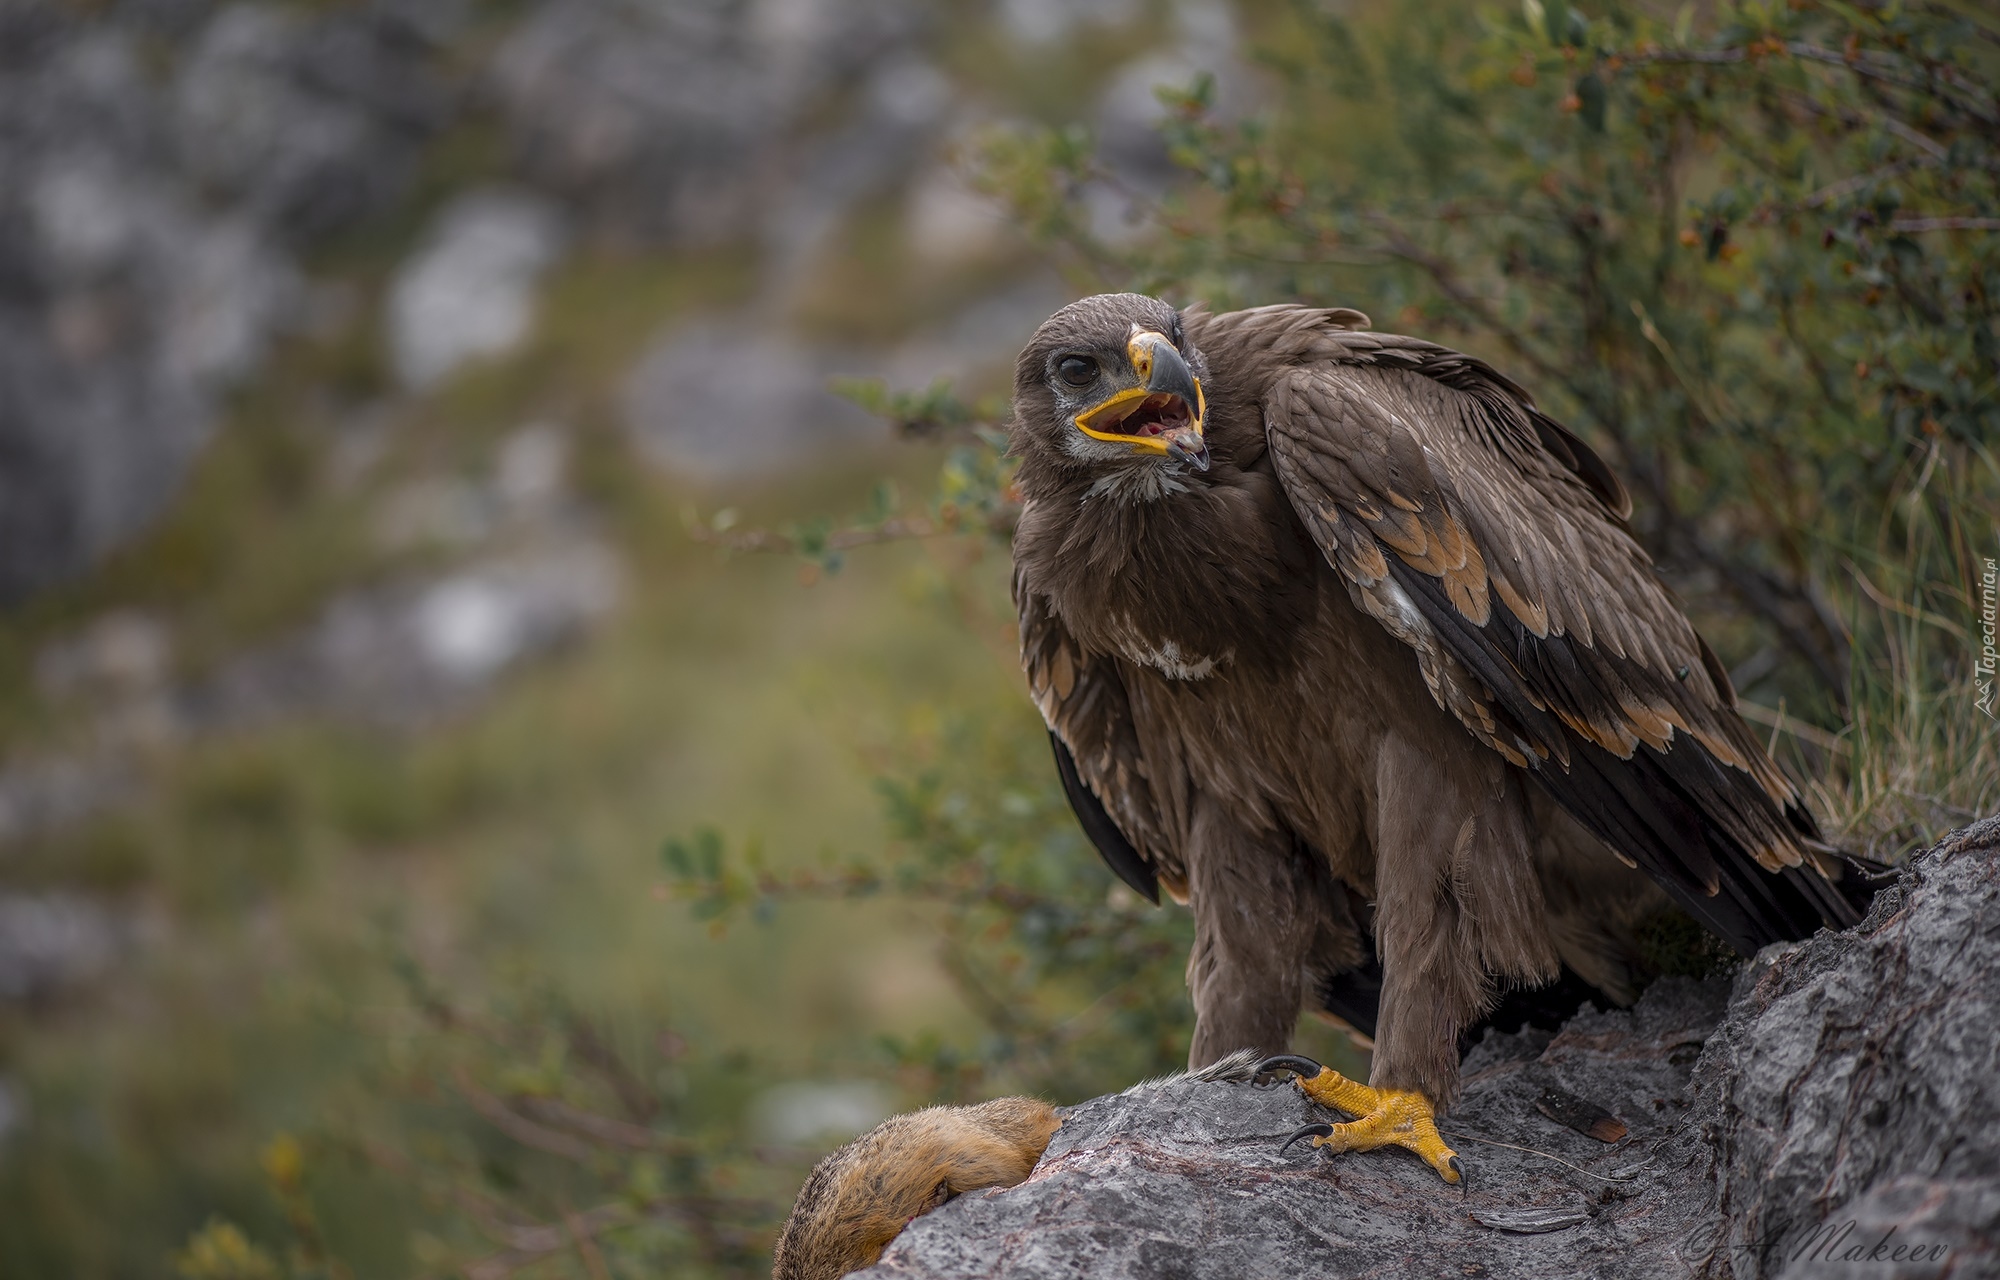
<point>1163,413</point>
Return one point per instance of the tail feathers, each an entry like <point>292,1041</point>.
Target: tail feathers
<point>1233,1068</point>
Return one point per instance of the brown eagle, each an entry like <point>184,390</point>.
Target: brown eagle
<point>1345,644</point>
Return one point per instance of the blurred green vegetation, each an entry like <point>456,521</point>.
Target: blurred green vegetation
<point>503,998</point>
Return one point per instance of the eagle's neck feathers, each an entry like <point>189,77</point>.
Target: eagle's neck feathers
<point>1185,574</point>
<point>1147,481</point>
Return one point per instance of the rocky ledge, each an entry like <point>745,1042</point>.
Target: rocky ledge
<point>1833,1112</point>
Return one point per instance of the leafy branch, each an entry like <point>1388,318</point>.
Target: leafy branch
<point>975,493</point>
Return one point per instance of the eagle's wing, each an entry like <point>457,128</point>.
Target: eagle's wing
<point>1083,701</point>
<point>1488,538</point>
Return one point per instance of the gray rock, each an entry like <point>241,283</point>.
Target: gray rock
<point>981,341</point>
<point>120,654</point>
<point>120,306</point>
<point>1039,23</point>
<point>683,121</point>
<point>1864,1067</point>
<point>306,124</point>
<point>406,654</point>
<point>723,397</point>
<point>1130,113</point>
<point>165,165</point>
<point>733,395</point>
<point>474,624</point>
<point>469,291</point>
<point>159,165</point>
<point>51,941</point>
<point>399,656</point>
<point>1842,1103</point>
<point>13,1110</point>
<point>37,796</point>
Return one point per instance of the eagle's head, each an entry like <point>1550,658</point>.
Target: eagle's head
<point>1111,382</point>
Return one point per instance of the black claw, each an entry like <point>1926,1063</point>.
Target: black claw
<point>1320,1130</point>
<point>1458,1169</point>
<point>1295,1063</point>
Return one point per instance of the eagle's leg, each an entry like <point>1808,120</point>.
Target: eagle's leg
<point>1456,902</point>
<point>1257,908</point>
<point>1386,1117</point>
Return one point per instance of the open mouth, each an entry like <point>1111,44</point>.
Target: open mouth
<point>1162,414</point>
<point>1155,415</point>
<point>1140,415</point>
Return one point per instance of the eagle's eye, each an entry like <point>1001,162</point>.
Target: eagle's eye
<point>1078,371</point>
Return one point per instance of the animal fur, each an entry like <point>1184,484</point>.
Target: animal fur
<point>859,1198</point>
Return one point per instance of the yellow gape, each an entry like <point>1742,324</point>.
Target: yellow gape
<point>1163,377</point>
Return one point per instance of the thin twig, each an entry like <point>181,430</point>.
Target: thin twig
<point>519,1127</point>
<point>1466,1137</point>
<point>527,1245</point>
<point>1762,593</point>
<point>1869,589</point>
<point>1872,66</point>
<point>586,1246</point>
<point>602,1129</point>
<point>1788,723</point>
<point>1846,186</point>
<point>1933,149</point>
<point>588,1045</point>
<point>838,540</point>
<point>1315,260</point>
<point>1945,224</point>
<point>1717,414</point>
<point>1876,66</point>
<point>1401,246</point>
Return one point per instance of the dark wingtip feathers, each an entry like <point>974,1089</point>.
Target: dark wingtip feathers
<point>1126,862</point>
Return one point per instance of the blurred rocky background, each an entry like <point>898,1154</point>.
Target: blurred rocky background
<point>428,848</point>
<point>178,180</point>
<point>357,361</point>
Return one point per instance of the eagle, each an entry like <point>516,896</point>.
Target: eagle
<point>1346,645</point>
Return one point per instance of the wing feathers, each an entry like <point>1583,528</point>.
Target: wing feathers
<point>1090,726</point>
<point>1062,673</point>
<point>1125,862</point>
<point>1419,468</point>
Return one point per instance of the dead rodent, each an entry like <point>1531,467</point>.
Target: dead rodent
<point>859,1198</point>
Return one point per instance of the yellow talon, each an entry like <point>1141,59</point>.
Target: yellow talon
<point>1387,1117</point>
